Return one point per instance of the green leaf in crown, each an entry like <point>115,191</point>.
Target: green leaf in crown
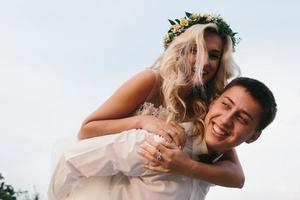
<point>178,26</point>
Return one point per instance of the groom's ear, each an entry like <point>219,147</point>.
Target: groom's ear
<point>254,137</point>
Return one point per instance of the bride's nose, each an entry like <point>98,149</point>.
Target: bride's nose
<point>206,61</point>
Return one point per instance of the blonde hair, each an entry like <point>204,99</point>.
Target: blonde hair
<point>175,70</point>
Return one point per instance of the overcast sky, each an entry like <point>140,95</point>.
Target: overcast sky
<point>60,59</point>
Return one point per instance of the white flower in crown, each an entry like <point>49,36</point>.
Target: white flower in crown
<point>179,26</point>
<point>205,15</point>
<point>175,28</point>
<point>209,18</point>
<point>219,17</point>
<point>194,17</point>
<point>167,39</point>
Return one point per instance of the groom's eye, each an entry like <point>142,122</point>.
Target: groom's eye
<point>242,119</point>
<point>225,105</point>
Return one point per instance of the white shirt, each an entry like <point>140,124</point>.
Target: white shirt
<point>109,167</point>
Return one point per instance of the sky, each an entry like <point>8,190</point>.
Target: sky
<point>60,59</point>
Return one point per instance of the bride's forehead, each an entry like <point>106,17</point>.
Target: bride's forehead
<point>213,40</point>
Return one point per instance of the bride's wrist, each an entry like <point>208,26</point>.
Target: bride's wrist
<point>140,121</point>
<point>188,167</point>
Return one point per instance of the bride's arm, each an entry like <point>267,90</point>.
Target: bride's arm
<point>115,115</point>
<point>227,172</point>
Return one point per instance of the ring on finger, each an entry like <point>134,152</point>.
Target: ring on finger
<point>159,156</point>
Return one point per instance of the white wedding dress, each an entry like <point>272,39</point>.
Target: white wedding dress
<point>109,168</point>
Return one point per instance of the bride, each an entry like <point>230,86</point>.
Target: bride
<point>167,102</point>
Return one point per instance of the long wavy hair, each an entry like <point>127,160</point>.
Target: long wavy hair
<point>176,73</point>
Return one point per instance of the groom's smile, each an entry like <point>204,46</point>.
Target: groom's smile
<point>231,120</point>
<point>219,131</point>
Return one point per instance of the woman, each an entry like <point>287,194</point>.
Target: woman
<point>178,87</point>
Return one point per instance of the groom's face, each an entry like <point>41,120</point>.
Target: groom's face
<point>231,120</point>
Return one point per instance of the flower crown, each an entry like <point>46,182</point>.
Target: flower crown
<point>179,26</point>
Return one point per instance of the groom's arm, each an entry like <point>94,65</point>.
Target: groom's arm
<point>109,155</point>
<point>100,156</point>
<point>62,180</point>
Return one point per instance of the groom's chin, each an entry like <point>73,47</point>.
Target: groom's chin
<point>213,146</point>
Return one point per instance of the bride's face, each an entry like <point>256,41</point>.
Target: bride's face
<point>214,47</point>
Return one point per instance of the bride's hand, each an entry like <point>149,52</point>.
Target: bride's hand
<point>166,157</point>
<point>169,131</point>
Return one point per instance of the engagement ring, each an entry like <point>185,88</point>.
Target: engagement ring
<point>159,156</point>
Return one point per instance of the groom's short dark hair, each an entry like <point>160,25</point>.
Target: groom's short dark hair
<point>262,94</point>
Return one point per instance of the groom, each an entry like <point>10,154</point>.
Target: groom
<point>244,109</point>
<point>239,115</point>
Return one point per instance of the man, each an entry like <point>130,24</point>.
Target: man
<point>239,115</point>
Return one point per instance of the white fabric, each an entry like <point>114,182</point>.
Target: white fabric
<point>109,167</point>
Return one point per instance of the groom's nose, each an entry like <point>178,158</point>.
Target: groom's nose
<point>227,119</point>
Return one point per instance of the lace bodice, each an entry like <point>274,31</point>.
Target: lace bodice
<point>148,108</point>
<point>161,112</point>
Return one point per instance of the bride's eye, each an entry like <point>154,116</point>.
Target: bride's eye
<point>194,50</point>
<point>213,56</point>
